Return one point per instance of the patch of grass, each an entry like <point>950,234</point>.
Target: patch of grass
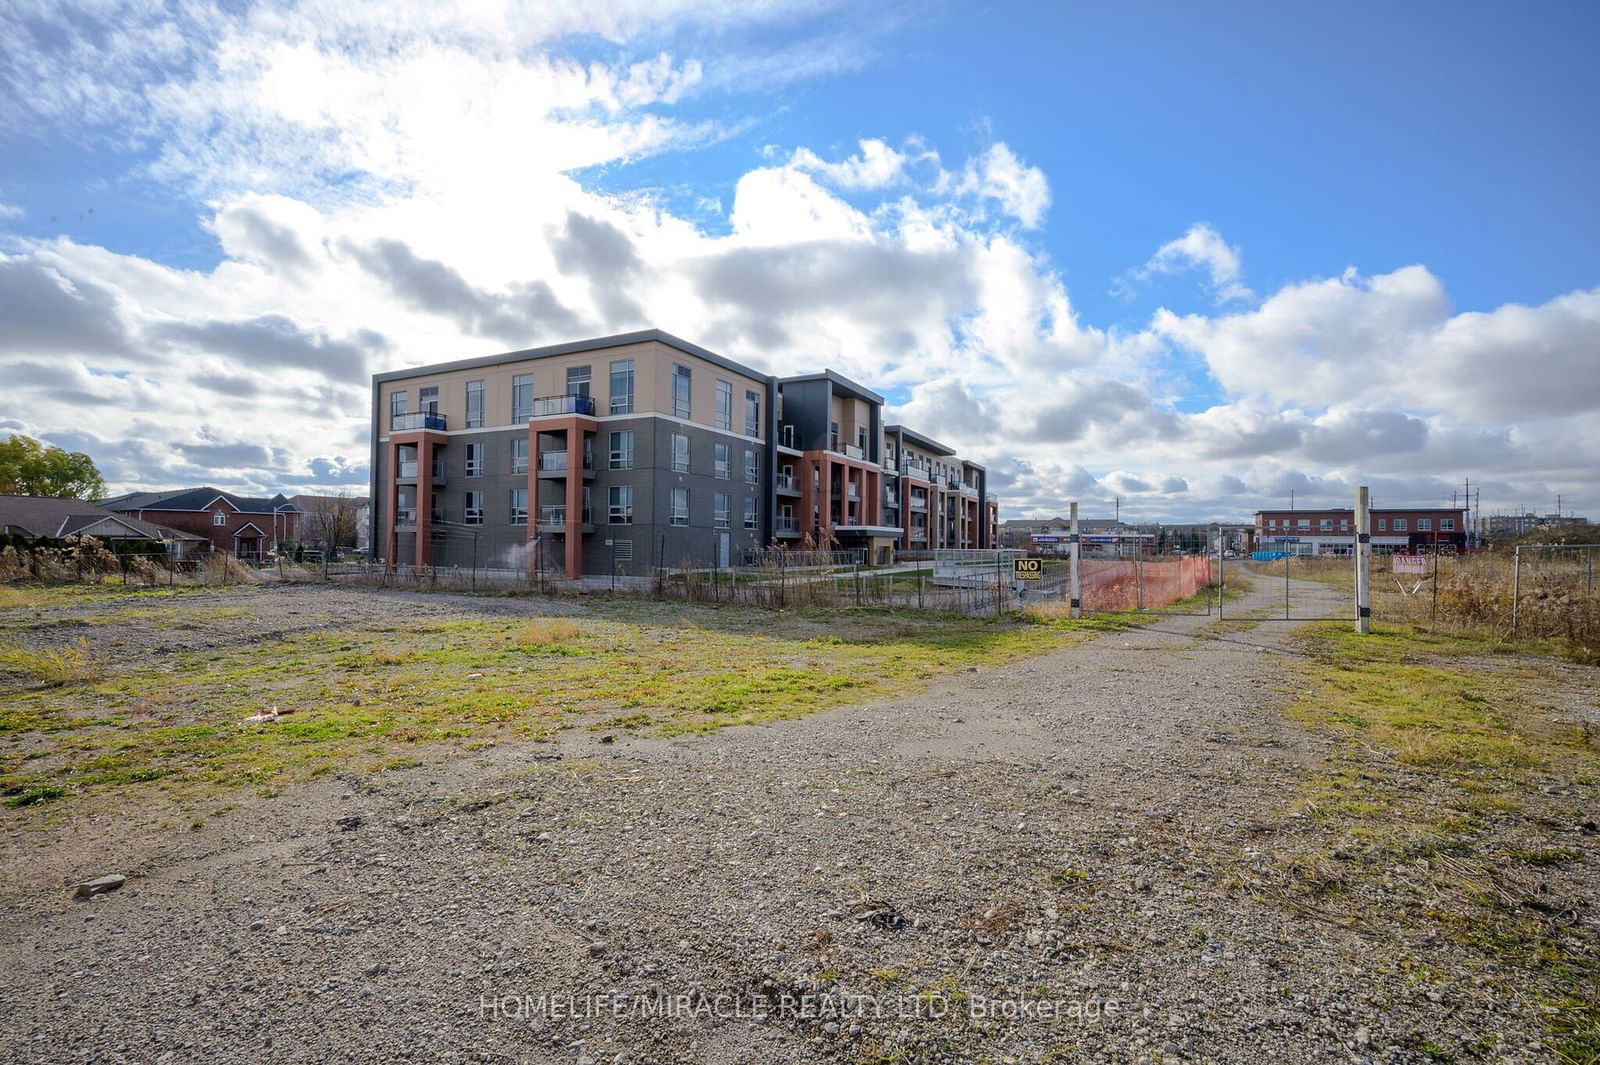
<point>553,635</point>
<point>1438,759</point>
<point>35,796</point>
<point>53,667</point>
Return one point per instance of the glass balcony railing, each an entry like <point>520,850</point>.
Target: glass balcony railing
<point>556,462</point>
<point>787,483</point>
<point>427,419</point>
<point>408,471</point>
<point>550,406</point>
<point>405,516</point>
<point>786,524</point>
<point>556,514</point>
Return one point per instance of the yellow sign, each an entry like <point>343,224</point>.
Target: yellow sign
<point>1027,569</point>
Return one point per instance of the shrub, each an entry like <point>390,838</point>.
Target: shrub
<point>548,633</point>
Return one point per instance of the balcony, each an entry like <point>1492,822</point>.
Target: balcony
<point>554,406</point>
<point>788,485</point>
<point>554,464</point>
<point>919,504</point>
<point>969,490</point>
<point>911,469</point>
<point>852,491</point>
<point>953,484</point>
<point>407,471</point>
<point>405,517</point>
<point>785,526</point>
<point>554,518</point>
<point>415,422</point>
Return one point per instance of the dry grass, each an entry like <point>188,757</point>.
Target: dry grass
<point>548,633</point>
<point>52,668</point>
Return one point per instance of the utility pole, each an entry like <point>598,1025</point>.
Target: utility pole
<point>1363,561</point>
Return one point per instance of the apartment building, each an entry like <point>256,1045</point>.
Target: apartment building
<point>1332,531</point>
<point>602,456</point>
<point>627,452</point>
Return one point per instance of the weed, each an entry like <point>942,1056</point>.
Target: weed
<point>52,667</point>
<point>552,635</point>
<point>35,796</point>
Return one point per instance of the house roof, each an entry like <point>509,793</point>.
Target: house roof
<point>926,443</point>
<point>841,384</point>
<point>196,499</point>
<point>44,516</point>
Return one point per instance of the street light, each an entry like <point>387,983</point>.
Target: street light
<point>275,510</point>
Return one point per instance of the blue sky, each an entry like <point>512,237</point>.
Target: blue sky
<point>1192,225</point>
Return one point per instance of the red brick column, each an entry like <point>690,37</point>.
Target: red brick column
<point>424,501</point>
<point>533,502</point>
<point>825,503</point>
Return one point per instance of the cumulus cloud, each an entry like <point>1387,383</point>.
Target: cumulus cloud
<point>1201,248</point>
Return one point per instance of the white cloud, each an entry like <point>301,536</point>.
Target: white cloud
<point>1201,247</point>
<point>1021,190</point>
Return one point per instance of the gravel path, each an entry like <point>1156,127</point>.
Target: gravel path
<point>1038,862</point>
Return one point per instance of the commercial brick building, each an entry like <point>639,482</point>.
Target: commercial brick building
<point>631,451</point>
<point>1332,532</point>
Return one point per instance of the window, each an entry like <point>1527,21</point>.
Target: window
<point>397,404</point>
<point>473,512</point>
<point>219,518</point>
<point>519,506</point>
<point>619,505</point>
<point>720,506</point>
<point>680,391</point>
<point>622,386</point>
<point>1383,524</point>
<point>861,439</point>
<point>1447,524</point>
<point>724,418</point>
<point>1305,523</point>
<point>428,400</point>
<point>474,404</point>
<point>1344,524</point>
<point>752,466</point>
<point>521,398</point>
<point>680,453</point>
<point>833,436</point>
<point>1400,525</point>
<point>752,414</point>
<point>622,449</point>
<point>750,521</point>
<point>519,454</point>
<point>1424,525</point>
<point>680,506</point>
<point>578,378</point>
<point>1272,523</point>
<point>474,460</point>
<point>1325,525</point>
<point>723,459</point>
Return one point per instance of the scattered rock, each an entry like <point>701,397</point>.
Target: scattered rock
<point>99,886</point>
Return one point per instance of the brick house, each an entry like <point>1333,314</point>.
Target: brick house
<point>1332,531</point>
<point>245,527</point>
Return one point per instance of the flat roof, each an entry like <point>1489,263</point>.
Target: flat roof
<point>927,443</point>
<point>840,382</point>
<point>1348,510</point>
<point>573,347</point>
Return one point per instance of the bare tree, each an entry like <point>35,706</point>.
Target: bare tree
<point>330,522</point>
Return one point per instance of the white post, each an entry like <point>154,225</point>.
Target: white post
<point>1072,550</point>
<point>1363,561</point>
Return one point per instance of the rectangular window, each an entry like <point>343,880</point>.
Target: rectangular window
<point>474,404</point>
<point>1424,525</point>
<point>475,460</point>
<point>1325,525</point>
<point>397,404</point>
<point>680,391</point>
<point>752,465</point>
<point>833,436</point>
<point>578,378</point>
<point>622,449</point>
<point>1305,523</point>
<point>720,506</point>
<point>723,461</point>
<point>472,514</point>
<point>750,521</point>
<point>1447,524</point>
<point>219,518</point>
<point>1400,525</point>
<point>622,386</point>
<point>724,419</point>
<point>519,455</point>
<point>521,398</point>
<point>680,453</point>
<point>619,505</point>
<point>428,400</point>
<point>680,506</point>
<point>861,439</point>
<point>519,506</point>
<point>1383,524</point>
<point>752,414</point>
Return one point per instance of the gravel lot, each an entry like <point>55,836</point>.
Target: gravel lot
<point>1067,858</point>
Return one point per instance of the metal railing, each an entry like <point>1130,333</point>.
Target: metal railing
<point>556,462</point>
<point>556,514</point>
<point>407,471</point>
<point>787,483</point>
<point>399,423</point>
<point>783,524</point>
<point>549,406</point>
